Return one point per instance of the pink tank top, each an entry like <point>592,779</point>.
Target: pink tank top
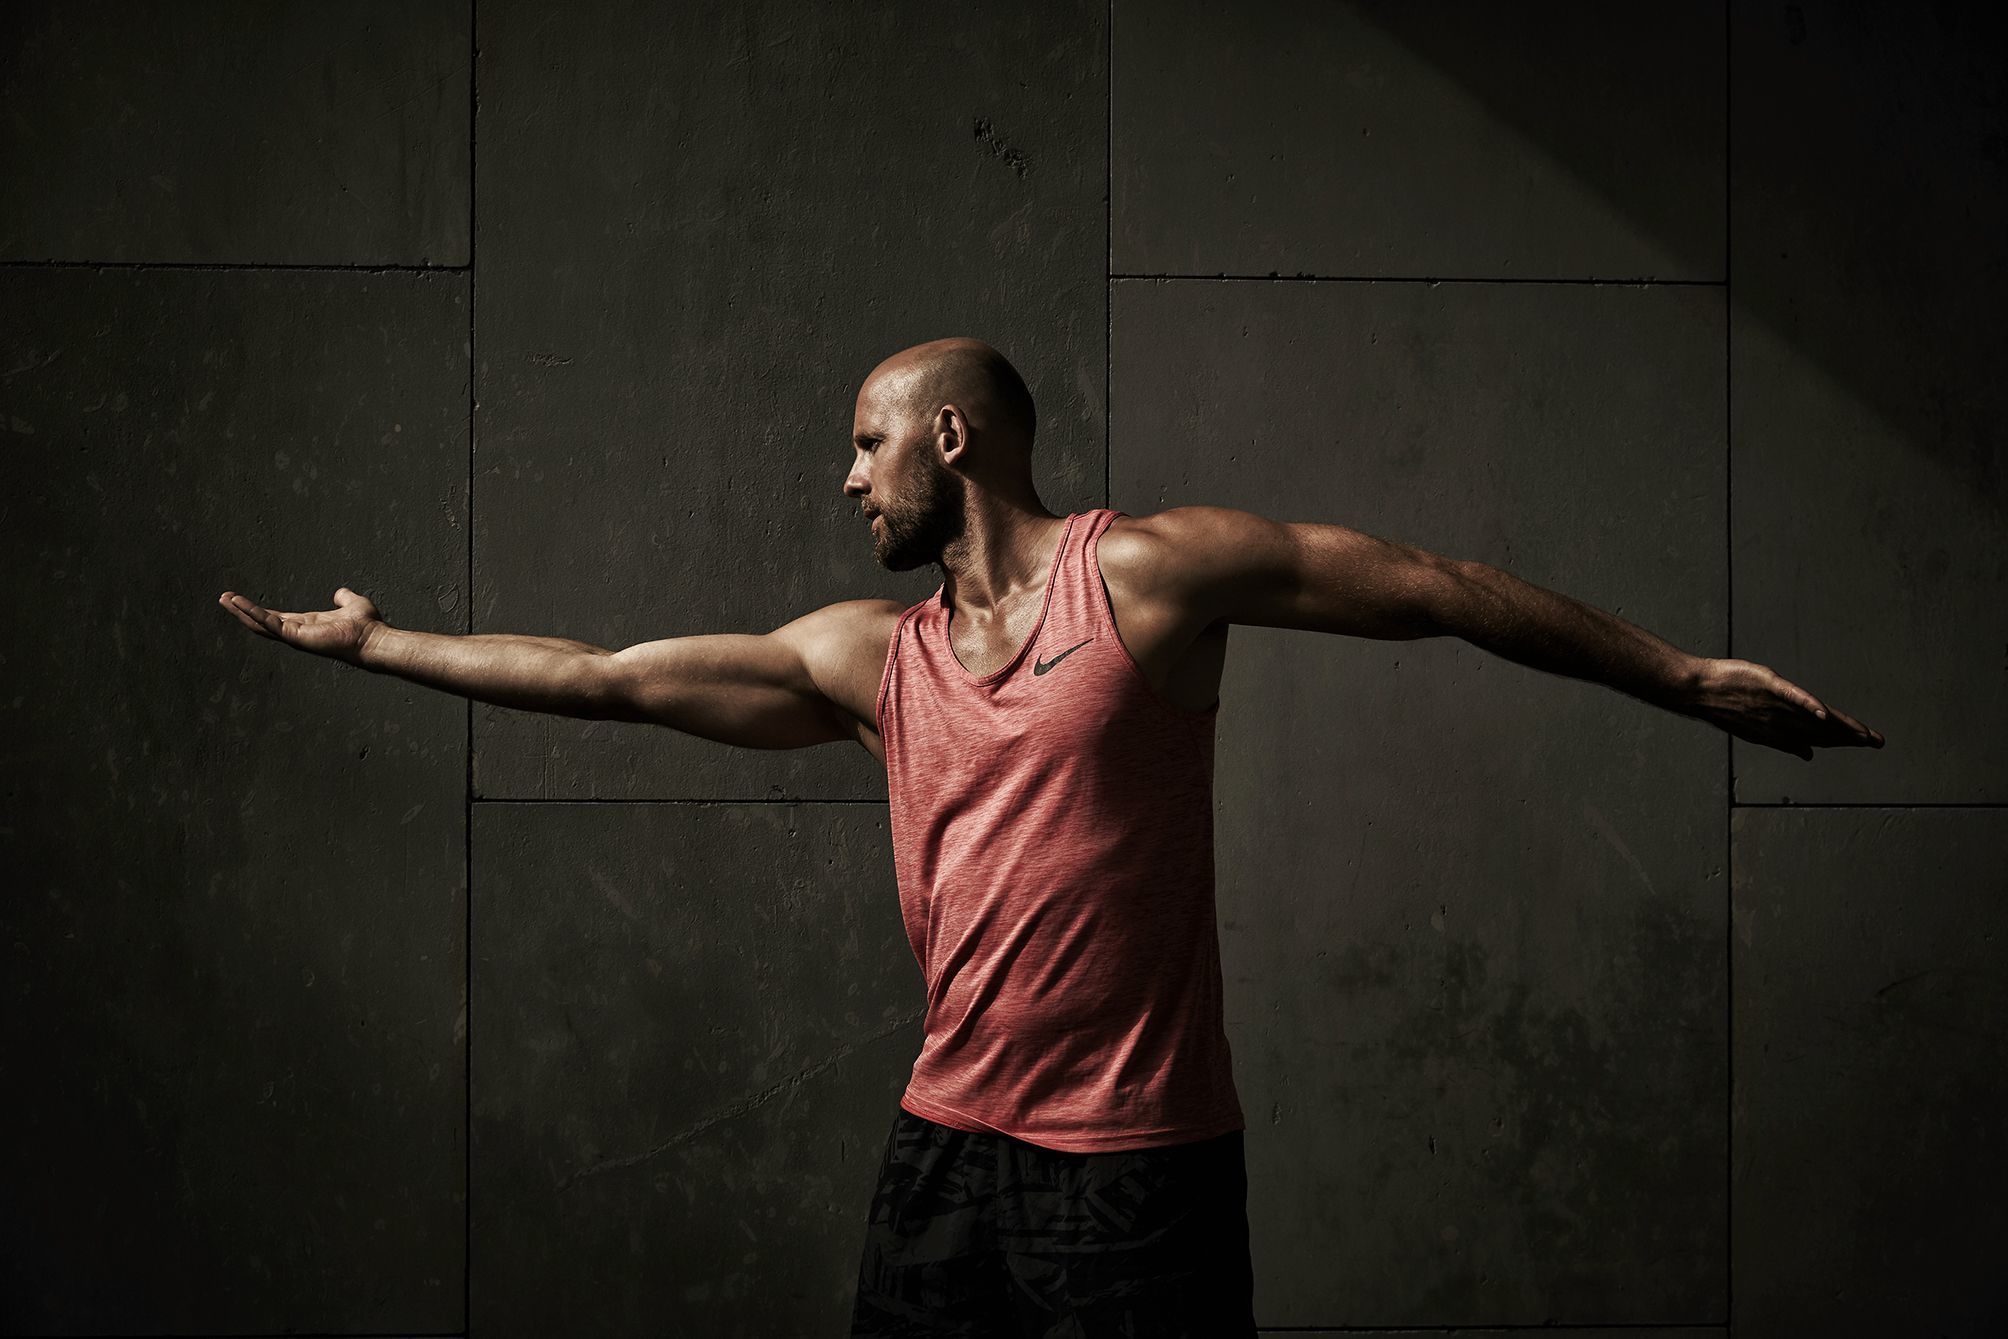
<point>1052,832</point>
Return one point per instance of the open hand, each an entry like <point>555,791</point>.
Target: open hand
<point>342,632</point>
<point>1756,703</point>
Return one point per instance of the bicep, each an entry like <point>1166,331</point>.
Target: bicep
<point>752,690</point>
<point>1249,569</point>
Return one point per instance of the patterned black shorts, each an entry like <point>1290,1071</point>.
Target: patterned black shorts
<point>985,1235</point>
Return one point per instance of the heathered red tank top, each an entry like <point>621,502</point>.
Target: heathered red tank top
<point>1052,831</point>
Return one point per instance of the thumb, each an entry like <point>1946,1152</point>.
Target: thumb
<point>343,595</point>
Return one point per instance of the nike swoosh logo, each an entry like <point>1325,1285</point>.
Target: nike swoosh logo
<point>1041,666</point>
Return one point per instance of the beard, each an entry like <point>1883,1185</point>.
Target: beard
<point>917,531</point>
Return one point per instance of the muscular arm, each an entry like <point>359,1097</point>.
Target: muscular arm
<point>811,681</point>
<point>1544,629</point>
<point>547,674</point>
<point>1238,567</point>
<point>1495,610</point>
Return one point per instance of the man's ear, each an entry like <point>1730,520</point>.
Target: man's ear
<point>951,432</point>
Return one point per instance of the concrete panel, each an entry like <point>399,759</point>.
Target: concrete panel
<point>693,1026</point>
<point>700,229</point>
<point>1871,480</point>
<point>1556,140</point>
<point>1871,1044</point>
<point>1471,914</point>
<point>234,1031</point>
<point>204,131</point>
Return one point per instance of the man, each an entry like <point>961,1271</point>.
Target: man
<point>1066,1156</point>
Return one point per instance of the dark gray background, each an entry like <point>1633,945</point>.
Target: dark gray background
<point>336,1005</point>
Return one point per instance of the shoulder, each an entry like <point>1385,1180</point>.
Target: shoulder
<point>1197,531</point>
<point>845,633</point>
<point>1187,552</point>
<point>842,647</point>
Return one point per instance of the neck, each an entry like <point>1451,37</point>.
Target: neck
<point>1005,549</point>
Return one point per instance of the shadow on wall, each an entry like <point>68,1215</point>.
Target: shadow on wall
<point>1868,183</point>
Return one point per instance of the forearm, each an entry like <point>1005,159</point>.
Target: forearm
<point>508,669</point>
<point>1547,630</point>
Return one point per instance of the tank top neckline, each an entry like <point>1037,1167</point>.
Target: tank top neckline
<point>1031,638</point>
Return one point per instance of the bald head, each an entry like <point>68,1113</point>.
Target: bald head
<point>969,374</point>
<point>919,470</point>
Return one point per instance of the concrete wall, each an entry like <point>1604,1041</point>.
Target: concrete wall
<point>339,1005</point>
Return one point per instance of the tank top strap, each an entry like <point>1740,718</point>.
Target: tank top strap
<point>1074,576</point>
<point>1087,603</point>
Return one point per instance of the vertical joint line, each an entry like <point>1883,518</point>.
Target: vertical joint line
<point>1728,649</point>
<point>467,808</point>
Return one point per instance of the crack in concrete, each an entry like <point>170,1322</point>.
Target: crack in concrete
<point>740,1107</point>
<point>986,134</point>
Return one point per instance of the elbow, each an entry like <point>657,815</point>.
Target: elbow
<point>593,688</point>
<point>1454,590</point>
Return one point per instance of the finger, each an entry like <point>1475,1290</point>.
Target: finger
<point>1800,698</point>
<point>1860,734</point>
<point>272,620</point>
<point>240,608</point>
<point>1837,729</point>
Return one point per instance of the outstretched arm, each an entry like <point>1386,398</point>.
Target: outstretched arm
<point>761,691</point>
<point>1523,622</point>
<point>1239,567</point>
